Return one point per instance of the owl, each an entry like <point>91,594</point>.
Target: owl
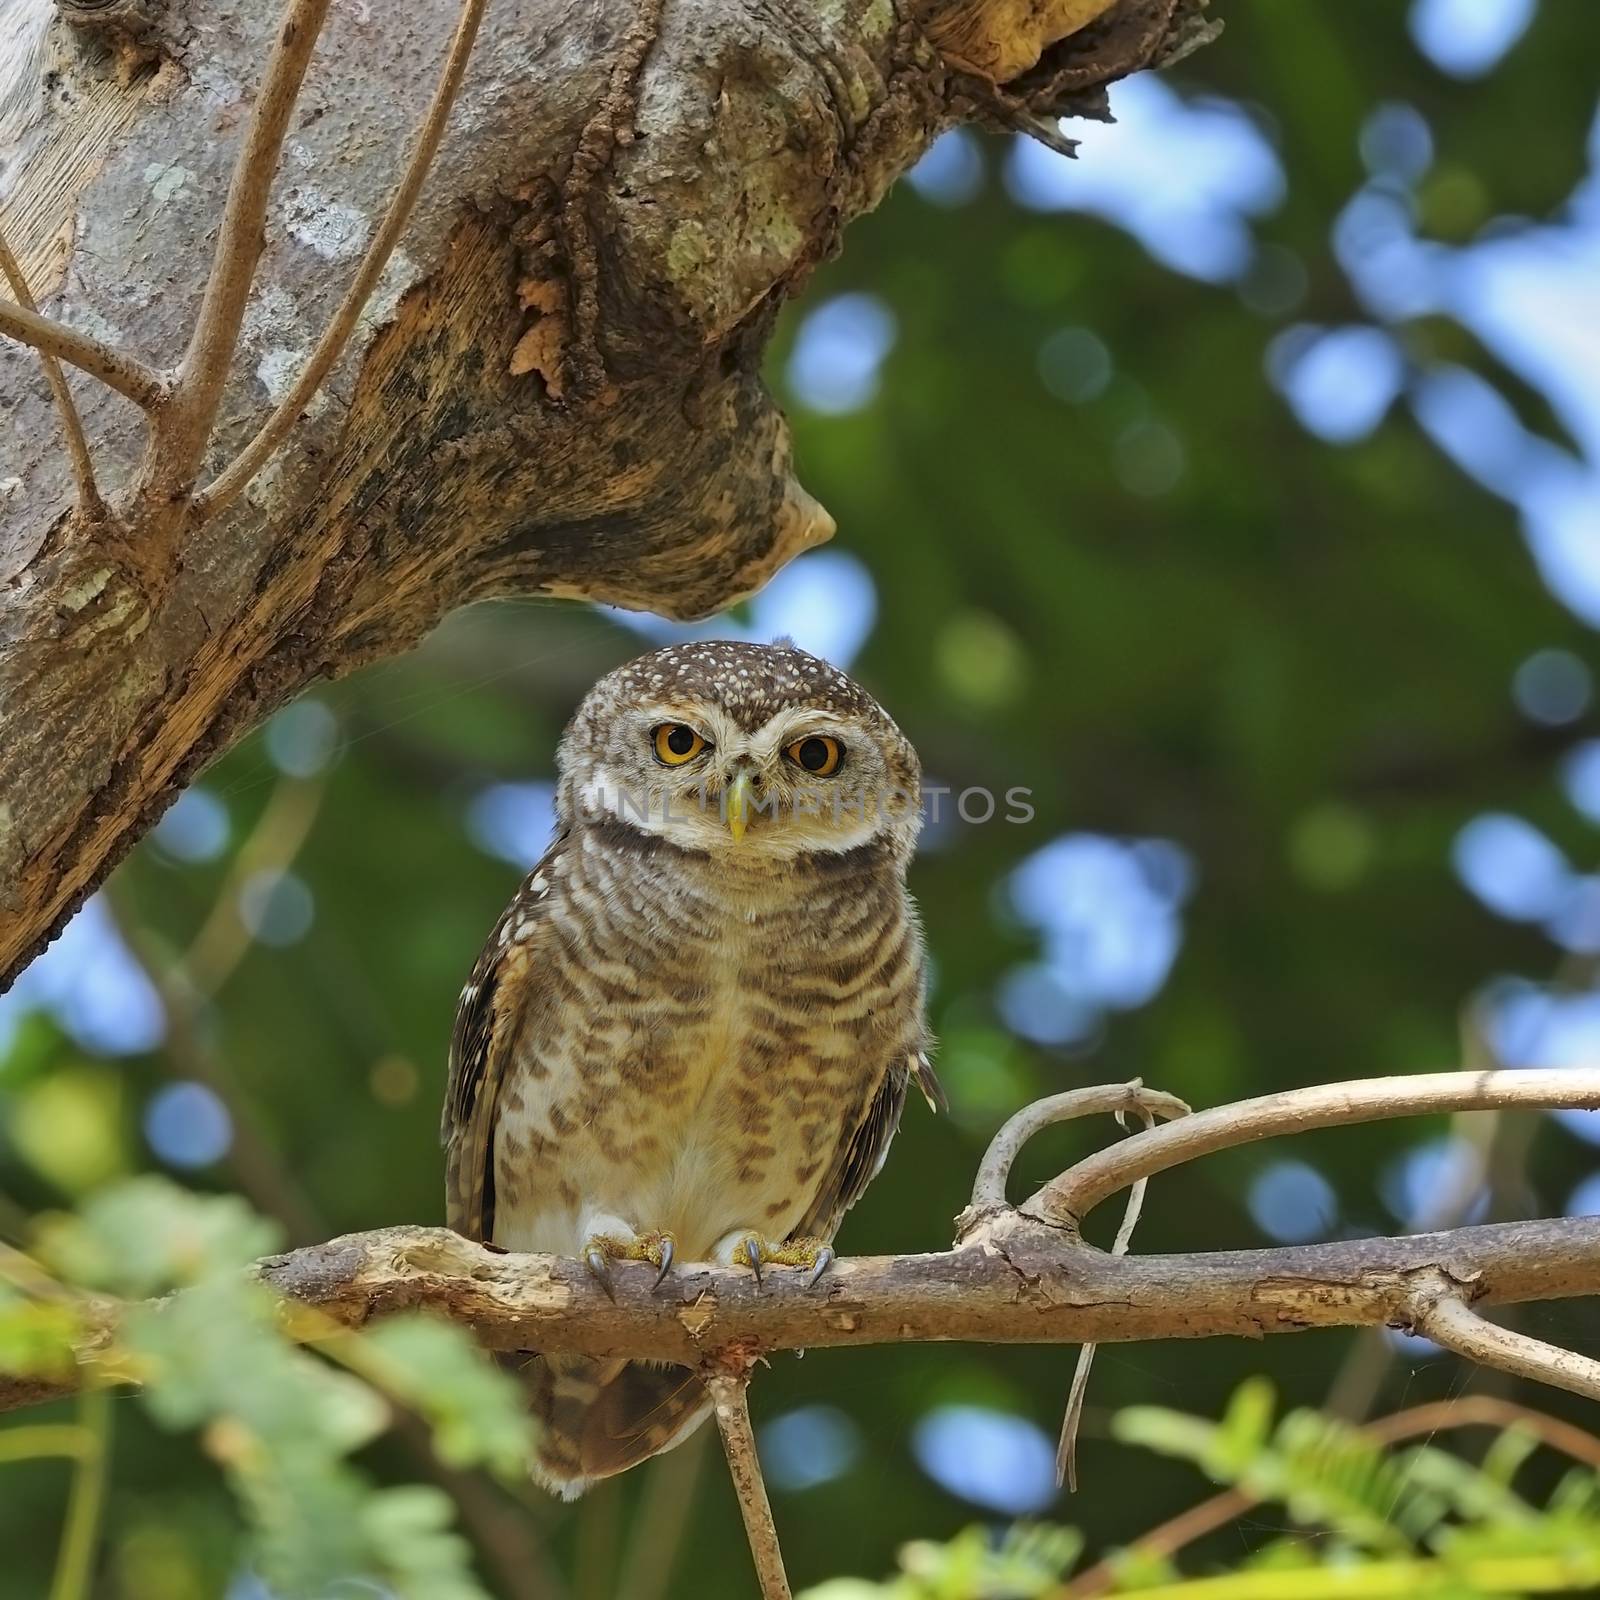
<point>691,1033</point>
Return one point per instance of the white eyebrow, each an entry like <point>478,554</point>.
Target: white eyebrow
<point>779,728</point>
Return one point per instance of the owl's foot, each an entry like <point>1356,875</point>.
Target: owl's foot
<point>659,1249</point>
<point>751,1250</point>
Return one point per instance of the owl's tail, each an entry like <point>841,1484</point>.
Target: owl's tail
<point>598,1418</point>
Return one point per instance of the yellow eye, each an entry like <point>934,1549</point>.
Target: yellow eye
<point>819,754</point>
<point>677,742</point>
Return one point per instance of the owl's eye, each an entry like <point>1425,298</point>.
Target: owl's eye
<point>818,755</point>
<point>677,742</point>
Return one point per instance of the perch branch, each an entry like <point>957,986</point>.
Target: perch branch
<point>236,477</point>
<point>179,444</point>
<point>1015,1280</point>
<point>731,1401</point>
<point>1030,1287</point>
<point>89,501</point>
<point>1450,1321</point>
<point>1071,1197</point>
<point>117,370</point>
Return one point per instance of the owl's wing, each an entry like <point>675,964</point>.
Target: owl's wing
<point>862,1154</point>
<point>487,1019</point>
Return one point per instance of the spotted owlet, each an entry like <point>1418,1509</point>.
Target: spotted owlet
<point>691,1033</point>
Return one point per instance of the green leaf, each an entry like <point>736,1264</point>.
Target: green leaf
<point>1168,1433</point>
<point>37,1337</point>
<point>147,1235</point>
<point>1242,1435</point>
<point>423,1559</point>
<point>477,1412</point>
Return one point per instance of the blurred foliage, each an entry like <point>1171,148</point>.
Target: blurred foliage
<point>279,1423</point>
<point>1365,1522</point>
<point>1109,565</point>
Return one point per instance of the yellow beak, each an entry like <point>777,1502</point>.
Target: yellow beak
<point>739,794</point>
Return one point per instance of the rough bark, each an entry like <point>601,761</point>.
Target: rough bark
<point>1016,1275</point>
<point>1030,1285</point>
<point>555,390</point>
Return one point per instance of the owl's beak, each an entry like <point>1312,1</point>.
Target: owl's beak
<point>739,806</point>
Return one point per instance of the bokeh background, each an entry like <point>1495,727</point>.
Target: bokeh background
<point>1235,490</point>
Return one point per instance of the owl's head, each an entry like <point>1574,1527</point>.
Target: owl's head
<point>754,749</point>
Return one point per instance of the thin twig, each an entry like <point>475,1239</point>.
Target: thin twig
<point>989,1187</point>
<point>90,505</point>
<point>233,480</point>
<point>1072,1417</point>
<point>1451,1322</point>
<point>730,1401</point>
<point>179,445</point>
<point>661,1523</point>
<point>129,376</point>
<point>1071,1197</point>
<point>1487,1411</point>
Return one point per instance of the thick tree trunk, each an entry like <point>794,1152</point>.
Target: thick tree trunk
<point>555,388</point>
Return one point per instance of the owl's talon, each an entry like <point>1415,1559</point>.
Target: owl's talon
<point>753,1248</point>
<point>599,1264</point>
<point>659,1249</point>
<point>667,1250</point>
<point>752,1251</point>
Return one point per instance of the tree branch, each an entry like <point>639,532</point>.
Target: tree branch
<point>115,368</point>
<point>1067,1200</point>
<point>89,501</point>
<point>236,477</point>
<point>1450,1321</point>
<point>190,412</point>
<point>1015,1280</point>
<point>457,463</point>
<point>731,1402</point>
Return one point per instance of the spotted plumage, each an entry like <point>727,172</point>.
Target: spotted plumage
<point>697,1020</point>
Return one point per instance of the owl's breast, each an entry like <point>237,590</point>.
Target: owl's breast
<point>701,1080</point>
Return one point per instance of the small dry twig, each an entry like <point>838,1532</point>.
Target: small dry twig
<point>730,1400</point>
<point>235,478</point>
<point>1449,1321</point>
<point>178,445</point>
<point>1072,1417</point>
<point>129,376</point>
<point>989,1186</point>
<point>1067,1200</point>
<point>989,1198</point>
<point>89,502</point>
